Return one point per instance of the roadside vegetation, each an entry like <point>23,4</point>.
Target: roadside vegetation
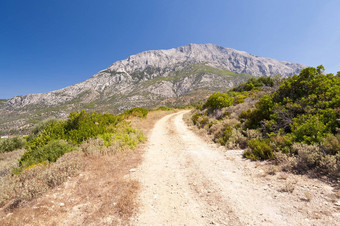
<point>293,121</point>
<point>11,144</point>
<point>57,149</point>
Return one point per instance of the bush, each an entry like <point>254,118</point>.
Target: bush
<point>254,84</point>
<point>82,125</point>
<point>136,112</point>
<point>203,121</point>
<point>331,144</point>
<point>228,131</point>
<point>306,107</point>
<point>238,99</point>
<point>236,140</point>
<point>41,126</point>
<point>308,156</point>
<point>260,149</point>
<point>218,101</point>
<point>11,144</point>
<point>49,152</point>
<point>308,129</point>
<point>163,108</point>
<point>123,137</point>
<point>79,127</point>
<point>195,117</point>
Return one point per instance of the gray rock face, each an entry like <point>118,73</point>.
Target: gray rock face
<point>136,77</point>
<point>213,55</point>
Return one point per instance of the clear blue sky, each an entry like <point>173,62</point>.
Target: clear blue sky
<point>49,44</point>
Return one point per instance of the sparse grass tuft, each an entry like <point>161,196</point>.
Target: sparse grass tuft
<point>282,176</point>
<point>272,169</point>
<point>288,187</point>
<point>308,196</point>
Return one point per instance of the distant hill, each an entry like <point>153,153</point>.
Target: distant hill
<point>179,76</point>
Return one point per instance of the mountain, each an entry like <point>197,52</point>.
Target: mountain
<point>181,75</point>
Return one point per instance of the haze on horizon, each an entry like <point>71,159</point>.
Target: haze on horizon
<point>48,45</point>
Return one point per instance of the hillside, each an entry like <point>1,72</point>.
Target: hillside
<point>294,122</point>
<point>180,76</point>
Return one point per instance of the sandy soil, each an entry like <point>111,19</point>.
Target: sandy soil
<point>188,181</point>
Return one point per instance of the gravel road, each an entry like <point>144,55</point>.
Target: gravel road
<point>188,181</point>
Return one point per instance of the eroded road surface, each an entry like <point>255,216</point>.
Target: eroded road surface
<point>187,181</point>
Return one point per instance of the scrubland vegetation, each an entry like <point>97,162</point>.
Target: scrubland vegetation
<point>55,150</point>
<point>11,144</point>
<point>293,121</point>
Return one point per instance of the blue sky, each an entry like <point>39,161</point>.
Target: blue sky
<point>49,44</point>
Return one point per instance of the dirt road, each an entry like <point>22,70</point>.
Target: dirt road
<point>187,181</point>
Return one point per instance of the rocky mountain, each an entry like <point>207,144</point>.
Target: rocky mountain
<point>178,76</point>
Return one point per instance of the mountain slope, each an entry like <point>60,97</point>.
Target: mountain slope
<point>147,79</point>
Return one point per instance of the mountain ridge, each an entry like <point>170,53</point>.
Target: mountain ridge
<point>177,76</point>
<point>124,71</point>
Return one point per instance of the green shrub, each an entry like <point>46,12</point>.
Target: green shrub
<point>228,131</point>
<point>163,108</point>
<point>195,117</point>
<point>79,127</point>
<point>136,112</point>
<point>123,137</point>
<point>49,152</point>
<point>82,125</point>
<point>308,129</point>
<point>238,99</point>
<point>262,112</point>
<point>11,144</point>
<point>218,101</point>
<point>305,106</point>
<point>331,144</point>
<point>203,121</point>
<point>254,84</point>
<point>260,149</point>
<point>38,128</point>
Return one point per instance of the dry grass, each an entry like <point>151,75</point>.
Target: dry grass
<point>126,205</point>
<point>99,195</point>
<point>288,187</point>
<point>272,170</point>
<point>9,160</point>
<point>282,176</point>
<point>36,180</point>
<point>308,196</point>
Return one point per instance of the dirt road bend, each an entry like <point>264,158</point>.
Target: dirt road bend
<point>187,181</point>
